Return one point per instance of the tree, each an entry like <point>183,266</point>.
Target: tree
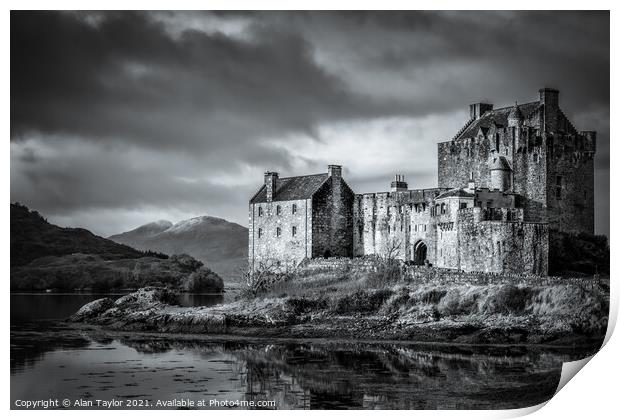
<point>203,280</point>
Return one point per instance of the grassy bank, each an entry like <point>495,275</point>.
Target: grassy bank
<point>350,304</point>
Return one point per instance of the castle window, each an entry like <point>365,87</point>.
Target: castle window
<point>497,142</point>
<point>278,232</point>
<point>278,209</point>
<point>260,211</point>
<point>489,204</point>
<point>443,208</point>
<point>294,230</point>
<point>294,208</point>
<point>463,205</point>
<point>260,232</point>
<point>424,228</point>
<point>558,193</point>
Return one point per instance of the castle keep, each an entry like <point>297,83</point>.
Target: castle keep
<point>507,177</point>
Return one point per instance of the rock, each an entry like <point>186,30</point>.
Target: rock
<point>92,309</point>
<point>149,296</point>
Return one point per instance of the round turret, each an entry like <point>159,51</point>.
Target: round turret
<point>500,173</point>
<point>516,116</point>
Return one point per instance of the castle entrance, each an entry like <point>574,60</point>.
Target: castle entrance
<point>419,255</point>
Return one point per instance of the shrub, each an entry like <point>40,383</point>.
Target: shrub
<point>508,299</point>
<point>203,280</point>
<point>186,262</point>
<point>387,273</point>
<point>362,301</point>
<point>456,301</point>
<point>300,305</point>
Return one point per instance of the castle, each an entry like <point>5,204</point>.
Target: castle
<point>507,177</point>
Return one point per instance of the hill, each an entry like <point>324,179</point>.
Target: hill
<point>33,237</point>
<point>91,272</point>
<point>46,256</point>
<point>214,241</point>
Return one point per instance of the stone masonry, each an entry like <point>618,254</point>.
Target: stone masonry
<point>506,178</point>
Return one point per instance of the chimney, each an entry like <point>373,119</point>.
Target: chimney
<point>335,171</point>
<point>399,183</point>
<point>270,184</point>
<point>471,186</point>
<point>549,99</point>
<point>477,110</point>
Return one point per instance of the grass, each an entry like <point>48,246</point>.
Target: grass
<point>558,306</point>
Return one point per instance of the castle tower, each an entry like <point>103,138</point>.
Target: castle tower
<point>549,99</point>
<point>501,173</point>
<point>515,122</point>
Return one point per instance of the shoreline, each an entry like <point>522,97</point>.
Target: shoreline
<point>245,338</point>
<point>155,311</point>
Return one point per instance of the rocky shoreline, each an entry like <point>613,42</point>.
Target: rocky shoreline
<point>156,310</point>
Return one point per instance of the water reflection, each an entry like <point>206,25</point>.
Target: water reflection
<point>29,307</point>
<point>50,359</point>
<point>316,375</point>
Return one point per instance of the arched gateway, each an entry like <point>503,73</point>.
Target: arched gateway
<point>419,253</point>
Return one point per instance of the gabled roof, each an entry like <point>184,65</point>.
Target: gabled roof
<point>457,192</point>
<point>292,188</point>
<point>497,116</point>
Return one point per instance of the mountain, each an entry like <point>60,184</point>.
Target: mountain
<point>217,242</point>
<point>32,237</point>
<point>46,256</point>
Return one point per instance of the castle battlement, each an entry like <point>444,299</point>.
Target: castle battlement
<point>508,176</point>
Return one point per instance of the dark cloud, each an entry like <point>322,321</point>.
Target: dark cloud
<point>116,79</point>
<point>181,112</point>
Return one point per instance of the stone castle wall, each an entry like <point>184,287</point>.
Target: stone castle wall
<point>393,222</point>
<point>286,248</point>
<point>458,160</point>
<point>470,239</point>
<point>332,218</point>
<point>570,201</point>
<point>421,274</point>
<point>499,245</point>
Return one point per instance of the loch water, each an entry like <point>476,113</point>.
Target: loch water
<point>53,359</point>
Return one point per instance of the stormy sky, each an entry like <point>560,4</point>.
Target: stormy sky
<point>122,118</point>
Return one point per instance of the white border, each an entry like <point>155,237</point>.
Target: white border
<point>593,395</point>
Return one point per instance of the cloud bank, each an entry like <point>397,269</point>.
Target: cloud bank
<point>120,118</point>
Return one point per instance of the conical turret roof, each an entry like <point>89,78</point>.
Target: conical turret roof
<point>500,164</point>
<point>515,113</point>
